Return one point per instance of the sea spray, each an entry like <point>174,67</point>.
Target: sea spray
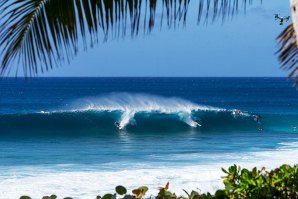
<point>130,104</point>
<point>137,112</point>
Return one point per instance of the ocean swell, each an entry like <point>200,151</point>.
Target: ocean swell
<point>130,104</point>
<point>141,113</point>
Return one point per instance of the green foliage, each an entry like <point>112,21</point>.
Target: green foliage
<point>121,190</point>
<point>164,193</point>
<point>220,194</point>
<point>239,184</point>
<point>279,183</point>
<point>140,192</point>
<point>25,197</point>
<point>288,51</point>
<point>109,196</point>
<point>50,197</point>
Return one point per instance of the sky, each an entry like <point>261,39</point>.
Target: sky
<point>242,47</point>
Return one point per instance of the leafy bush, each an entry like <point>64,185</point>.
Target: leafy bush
<point>279,183</point>
<point>239,184</point>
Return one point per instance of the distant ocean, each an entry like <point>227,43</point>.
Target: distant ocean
<point>81,137</point>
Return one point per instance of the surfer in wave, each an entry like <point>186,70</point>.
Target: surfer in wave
<point>236,112</point>
<point>257,118</point>
<point>117,124</point>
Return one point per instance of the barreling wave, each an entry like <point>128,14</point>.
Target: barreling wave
<point>132,112</point>
<point>131,104</point>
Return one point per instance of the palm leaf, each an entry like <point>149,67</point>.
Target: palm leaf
<point>288,51</point>
<point>220,9</point>
<point>42,34</point>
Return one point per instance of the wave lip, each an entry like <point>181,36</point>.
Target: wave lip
<point>131,104</point>
<point>150,112</point>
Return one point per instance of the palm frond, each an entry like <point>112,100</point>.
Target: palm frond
<point>221,9</point>
<point>42,34</point>
<point>288,51</point>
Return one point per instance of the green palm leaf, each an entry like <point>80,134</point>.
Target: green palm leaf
<point>288,51</point>
<point>42,34</point>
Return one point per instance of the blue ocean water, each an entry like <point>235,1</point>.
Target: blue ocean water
<point>117,127</point>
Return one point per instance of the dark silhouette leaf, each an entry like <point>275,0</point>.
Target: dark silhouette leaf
<point>42,34</point>
<point>288,52</point>
<point>121,190</point>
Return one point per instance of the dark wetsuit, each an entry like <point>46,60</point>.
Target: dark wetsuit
<point>117,124</point>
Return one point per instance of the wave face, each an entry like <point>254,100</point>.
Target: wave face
<point>140,112</point>
<point>131,104</point>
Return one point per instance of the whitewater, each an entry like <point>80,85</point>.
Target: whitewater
<point>131,104</point>
<point>85,184</point>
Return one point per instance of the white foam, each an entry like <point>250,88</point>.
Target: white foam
<point>38,181</point>
<point>127,116</point>
<point>44,112</point>
<point>130,104</point>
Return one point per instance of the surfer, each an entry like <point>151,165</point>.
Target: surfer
<point>236,112</point>
<point>117,124</point>
<point>257,118</point>
<point>198,122</point>
<point>294,128</point>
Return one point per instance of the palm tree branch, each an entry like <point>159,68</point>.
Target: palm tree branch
<point>288,51</point>
<point>16,34</point>
<point>41,34</point>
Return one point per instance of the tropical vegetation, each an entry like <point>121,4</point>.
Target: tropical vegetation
<point>239,183</point>
<point>41,34</point>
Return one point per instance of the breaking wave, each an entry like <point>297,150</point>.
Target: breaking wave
<point>138,112</point>
<point>131,104</point>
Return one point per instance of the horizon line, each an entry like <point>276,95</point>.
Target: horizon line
<point>36,77</point>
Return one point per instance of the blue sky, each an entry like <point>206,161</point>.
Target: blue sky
<point>244,46</point>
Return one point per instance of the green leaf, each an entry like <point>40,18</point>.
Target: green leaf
<point>193,195</point>
<point>140,192</point>
<point>41,34</point>
<point>50,197</point>
<point>144,188</point>
<point>108,196</point>
<point>225,171</point>
<point>288,51</point>
<point>186,192</point>
<point>25,197</point>
<point>53,196</point>
<point>128,197</point>
<point>121,190</point>
<point>220,194</point>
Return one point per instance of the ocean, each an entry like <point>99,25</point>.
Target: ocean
<point>81,137</point>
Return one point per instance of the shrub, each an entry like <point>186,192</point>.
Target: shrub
<point>279,183</point>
